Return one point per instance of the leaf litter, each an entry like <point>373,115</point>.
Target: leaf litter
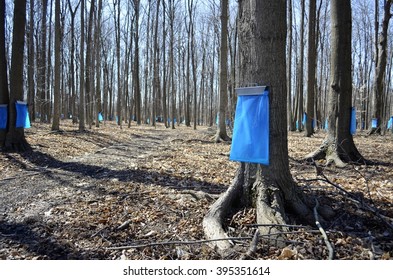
<point>141,193</point>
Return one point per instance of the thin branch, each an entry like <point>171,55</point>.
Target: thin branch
<point>253,246</point>
<point>324,235</point>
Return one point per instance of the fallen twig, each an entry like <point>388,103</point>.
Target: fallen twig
<point>253,246</point>
<point>324,235</point>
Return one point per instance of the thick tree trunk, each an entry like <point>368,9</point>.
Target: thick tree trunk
<point>15,138</point>
<point>380,69</point>
<point>338,146</point>
<point>4,92</point>
<point>262,49</point>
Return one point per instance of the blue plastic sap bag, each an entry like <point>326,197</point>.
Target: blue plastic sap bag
<point>3,116</point>
<point>250,140</point>
<point>353,121</point>
<point>22,115</point>
<point>374,123</point>
<point>100,117</point>
<point>390,123</point>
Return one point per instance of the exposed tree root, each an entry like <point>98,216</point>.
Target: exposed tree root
<point>213,221</point>
<point>271,205</point>
<point>336,154</point>
<point>221,137</point>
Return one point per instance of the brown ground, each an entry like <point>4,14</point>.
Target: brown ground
<point>141,193</point>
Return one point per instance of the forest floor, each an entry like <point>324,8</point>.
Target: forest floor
<point>142,192</point>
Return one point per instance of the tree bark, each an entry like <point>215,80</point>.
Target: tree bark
<point>338,146</point>
<point>312,60</point>
<point>4,92</point>
<point>56,112</point>
<point>262,49</point>
<point>15,138</point>
<point>221,134</point>
<point>380,69</point>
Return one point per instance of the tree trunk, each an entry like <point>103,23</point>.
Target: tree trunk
<point>263,62</point>
<point>56,112</point>
<point>380,69</point>
<point>97,43</point>
<point>119,92</point>
<point>136,81</point>
<point>291,125</point>
<point>171,59</point>
<point>72,65</point>
<point>312,60</point>
<point>81,110</point>
<point>15,138</point>
<point>156,79</point>
<point>221,130</point>
<point>4,92</point>
<point>164,74</point>
<point>31,68</point>
<point>41,77</point>
<point>301,70</point>
<point>338,146</point>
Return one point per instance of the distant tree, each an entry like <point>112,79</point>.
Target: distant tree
<point>380,69</point>
<point>221,129</point>
<point>136,78</point>
<point>291,124</point>
<point>81,111</point>
<point>56,105</point>
<point>31,65</point>
<point>311,67</point>
<point>338,146</point>
<point>42,65</point>
<point>72,62</point>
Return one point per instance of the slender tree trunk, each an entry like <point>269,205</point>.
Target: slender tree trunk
<point>301,69</point>
<point>171,59</point>
<point>119,92</point>
<point>41,79</point>
<point>56,112</point>
<point>312,61</point>
<point>31,68</point>
<point>291,125</point>
<point>221,130</point>
<point>136,81</point>
<point>164,78</point>
<point>72,63</point>
<point>156,79</point>
<point>82,71</point>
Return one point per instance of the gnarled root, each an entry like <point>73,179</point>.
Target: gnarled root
<point>213,221</point>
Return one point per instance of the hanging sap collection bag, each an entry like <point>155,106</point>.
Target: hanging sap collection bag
<point>22,115</point>
<point>353,121</point>
<point>250,140</point>
<point>3,116</point>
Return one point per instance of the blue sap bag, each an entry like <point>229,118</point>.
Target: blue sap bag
<point>250,140</point>
<point>353,121</point>
<point>22,115</point>
<point>3,116</point>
